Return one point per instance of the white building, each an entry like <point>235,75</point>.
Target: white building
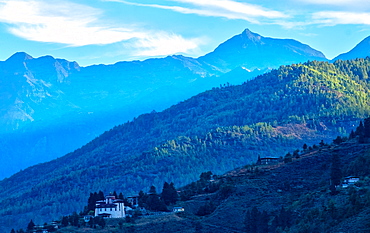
<point>110,208</point>
<point>178,209</point>
<point>350,180</point>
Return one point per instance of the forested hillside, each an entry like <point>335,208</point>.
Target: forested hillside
<point>216,130</point>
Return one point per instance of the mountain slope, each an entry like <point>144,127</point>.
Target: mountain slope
<point>215,130</point>
<point>293,195</point>
<point>362,50</point>
<point>43,95</point>
<point>301,187</point>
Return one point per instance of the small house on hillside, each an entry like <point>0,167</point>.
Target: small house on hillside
<point>350,180</point>
<point>267,160</point>
<point>133,200</point>
<point>178,209</point>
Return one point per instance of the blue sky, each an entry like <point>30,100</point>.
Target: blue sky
<point>107,31</point>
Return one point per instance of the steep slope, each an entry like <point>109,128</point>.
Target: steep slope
<point>301,187</point>
<point>216,130</point>
<point>361,50</point>
<point>41,96</point>
<point>254,51</point>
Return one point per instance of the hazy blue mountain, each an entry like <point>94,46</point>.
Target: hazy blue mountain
<point>253,51</point>
<point>361,50</point>
<point>53,106</point>
<point>31,87</point>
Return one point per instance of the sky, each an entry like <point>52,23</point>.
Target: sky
<point>107,31</point>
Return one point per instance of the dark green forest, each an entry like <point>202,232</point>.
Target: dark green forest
<point>216,131</point>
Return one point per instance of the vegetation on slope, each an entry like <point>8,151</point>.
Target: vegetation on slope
<point>295,196</point>
<point>216,130</point>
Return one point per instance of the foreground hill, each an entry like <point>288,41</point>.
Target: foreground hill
<point>216,130</point>
<point>293,195</point>
<point>42,96</point>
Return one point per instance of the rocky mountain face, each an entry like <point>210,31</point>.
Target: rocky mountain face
<point>31,89</point>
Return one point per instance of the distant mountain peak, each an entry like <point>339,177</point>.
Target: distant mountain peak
<point>247,34</point>
<point>19,57</point>
<point>251,50</point>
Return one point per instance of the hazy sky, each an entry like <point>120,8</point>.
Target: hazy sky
<point>107,31</point>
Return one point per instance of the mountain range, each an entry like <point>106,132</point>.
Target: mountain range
<point>53,106</point>
<point>216,130</point>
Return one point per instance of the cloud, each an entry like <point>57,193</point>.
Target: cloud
<point>219,8</point>
<point>337,2</point>
<point>229,6</point>
<point>76,25</point>
<point>164,43</point>
<point>332,18</point>
<point>65,23</point>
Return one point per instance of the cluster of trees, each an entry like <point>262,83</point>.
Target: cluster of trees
<point>31,227</point>
<point>256,221</point>
<point>201,186</point>
<point>158,202</point>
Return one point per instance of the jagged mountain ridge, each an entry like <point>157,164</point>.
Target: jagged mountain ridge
<point>30,85</point>
<point>137,76</point>
<point>48,95</point>
<point>316,100</point>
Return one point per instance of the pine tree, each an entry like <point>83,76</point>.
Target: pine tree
<point>259,160</point>
<point>367,128</point>
<point>173,194</point>
<point>322,143</point>
<point>152,190</point>
<point>169,193</point>
<point>30,226</point>
<point>91,202</point>
<point>142,198</point>
<point>165,196</point>
<point>100,196</point>
<point>338,140</point>
<point>254,219</point>
<point>335,171</point>
<point>288,158</point>
<point>352,134</point>
<point>360,130</point>
<point>64,221</point>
